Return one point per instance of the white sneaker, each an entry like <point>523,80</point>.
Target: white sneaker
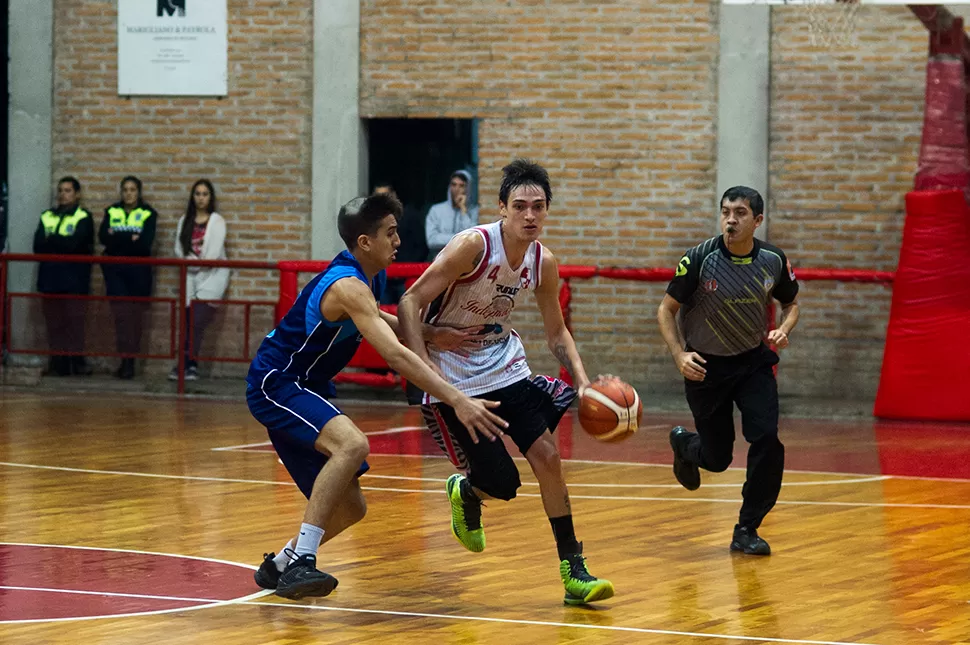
<point>191,374</point>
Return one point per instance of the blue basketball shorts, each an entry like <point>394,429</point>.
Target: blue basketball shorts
<point>294,416</point>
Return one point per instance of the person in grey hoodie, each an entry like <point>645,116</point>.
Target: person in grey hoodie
<point>451,216</point>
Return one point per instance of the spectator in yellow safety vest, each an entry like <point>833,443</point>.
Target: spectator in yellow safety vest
<point>66,229</point>
<point>128,230</point>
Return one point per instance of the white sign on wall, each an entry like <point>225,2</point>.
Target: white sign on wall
<point>173,47</point>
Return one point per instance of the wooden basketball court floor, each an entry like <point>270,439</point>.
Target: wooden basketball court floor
<point>140,520</point>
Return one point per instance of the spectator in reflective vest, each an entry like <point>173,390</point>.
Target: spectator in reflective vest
<point>66,229</point>
<point>128,230</point>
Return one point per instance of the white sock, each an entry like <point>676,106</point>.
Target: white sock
<point>309,540</point>
<point>284,556</point>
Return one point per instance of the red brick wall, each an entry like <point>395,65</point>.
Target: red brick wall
<point>616,99</point>
<point>845,133</point>
<point>254,144</point>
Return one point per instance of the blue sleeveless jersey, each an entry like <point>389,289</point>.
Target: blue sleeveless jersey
<point>305,347</point>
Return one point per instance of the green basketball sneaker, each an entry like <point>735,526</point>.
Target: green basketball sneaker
<point>581,587</point>
<point>466,517</point>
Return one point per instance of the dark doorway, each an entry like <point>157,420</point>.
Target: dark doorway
<point>417,157</point>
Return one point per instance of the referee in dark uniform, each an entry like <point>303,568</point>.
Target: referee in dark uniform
<point>722,288</point>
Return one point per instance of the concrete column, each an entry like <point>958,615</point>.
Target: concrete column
<point>339,148</point>
<point>743,92</point>
<point>29,145</point>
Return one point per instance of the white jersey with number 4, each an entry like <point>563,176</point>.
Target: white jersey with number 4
<point>486,296</point>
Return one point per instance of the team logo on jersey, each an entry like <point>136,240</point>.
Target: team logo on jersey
<point>682,266</point>
<point>710,286</point>
<point>769,283</point>
<point>791,271</point>
<point>500,307</point>
<point>508,291</point>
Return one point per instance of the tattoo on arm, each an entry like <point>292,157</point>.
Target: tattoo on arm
<point>560,353</point>
<point>478,259</point>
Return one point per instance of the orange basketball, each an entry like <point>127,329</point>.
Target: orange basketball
<point>610,410</point>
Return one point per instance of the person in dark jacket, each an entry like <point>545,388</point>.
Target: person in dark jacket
<point>128,230</point>
<point>66,229</point>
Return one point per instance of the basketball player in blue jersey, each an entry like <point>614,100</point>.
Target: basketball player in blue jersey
<point>476,281</point>
<point>289,383</point>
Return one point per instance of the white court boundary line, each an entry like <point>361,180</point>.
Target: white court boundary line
<point>250,601</point>
<point>640,464</point>
<point>859,480</point>
<point>545,623</point>
<point>207,602</point>
<point>440,491</point>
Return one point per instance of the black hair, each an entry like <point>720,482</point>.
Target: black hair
<point>137,182</point>
<point>185,238</point>
<point>523,172</point>
<point>71,180</point>
<point>753,197</point>
<point>363,216</point>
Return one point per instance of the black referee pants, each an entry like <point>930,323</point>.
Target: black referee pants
<point>748,381</point>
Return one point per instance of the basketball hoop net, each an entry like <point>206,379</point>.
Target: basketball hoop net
<point>831,22</point>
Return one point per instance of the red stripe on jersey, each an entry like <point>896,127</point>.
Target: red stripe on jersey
<point>482,265</point>
<point>538,267</point>
<point>445,436</point>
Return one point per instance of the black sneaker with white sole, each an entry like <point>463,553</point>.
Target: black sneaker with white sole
<point>301,578</point>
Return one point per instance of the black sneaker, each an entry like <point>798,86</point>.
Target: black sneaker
<point>687,473</point>
<point>267,575</point>
<point>301,578</point>
<point>746,540</point>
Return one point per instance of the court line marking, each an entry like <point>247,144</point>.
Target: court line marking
<point>135,551</point>
<point>442,492</point>
<point>859,480</point>
<point>643,464</point>
<point>242,447</point>
<point>245,447</point>
<point>421,479</point>
<point>208,602</point>
<point>545,623</point>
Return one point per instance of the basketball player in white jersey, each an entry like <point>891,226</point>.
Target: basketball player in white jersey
<point>477,280</point>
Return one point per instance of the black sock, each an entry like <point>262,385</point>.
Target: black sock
<point>562,529</point>
<point>468,493</point>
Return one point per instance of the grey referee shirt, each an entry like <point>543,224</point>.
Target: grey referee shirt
<point>724,297</point>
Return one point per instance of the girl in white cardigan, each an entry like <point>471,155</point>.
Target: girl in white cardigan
<point>201,235</point>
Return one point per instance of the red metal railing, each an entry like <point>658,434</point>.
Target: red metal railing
<point>183,266</point>
<point>289,290</point>
<point>567,272</point>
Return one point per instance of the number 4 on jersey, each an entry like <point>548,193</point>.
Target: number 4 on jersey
<point>493,274</point>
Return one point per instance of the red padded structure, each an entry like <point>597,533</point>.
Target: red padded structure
<point>926,365</point>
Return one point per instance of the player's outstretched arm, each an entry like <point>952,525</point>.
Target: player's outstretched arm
<point>352,297</point>
<point>460,257</point>
<point>448,339</point>
<point>560,341</point>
